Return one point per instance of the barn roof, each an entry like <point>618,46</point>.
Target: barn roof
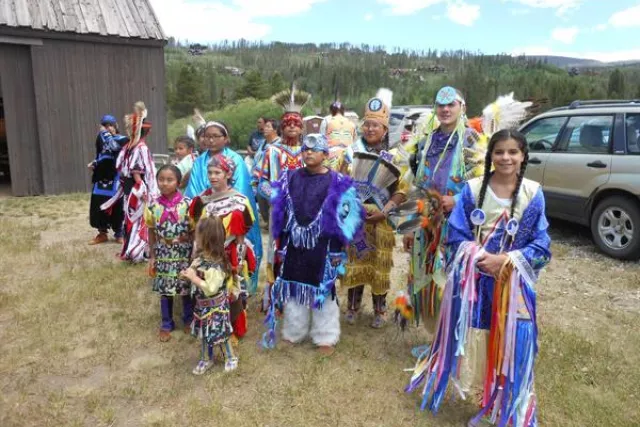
<point>122,18</point>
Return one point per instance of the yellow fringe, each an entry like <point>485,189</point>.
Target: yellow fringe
<point>374,267</point>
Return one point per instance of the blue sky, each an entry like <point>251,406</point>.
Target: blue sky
<point>605,30</point>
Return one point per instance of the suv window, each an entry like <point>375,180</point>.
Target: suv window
<point>587,135</point>
<point>632,125</point>
<point>395,119</point>
<point>542,134</point>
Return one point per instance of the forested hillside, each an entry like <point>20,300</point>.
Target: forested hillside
<point>213,77</point>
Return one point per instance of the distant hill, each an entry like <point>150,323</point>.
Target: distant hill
<point>569,62</point>
<point>214,76</point>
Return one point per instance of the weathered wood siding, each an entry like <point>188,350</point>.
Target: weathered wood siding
<point>75,84</point>
<point>123,18</point>
<point>16,77</point>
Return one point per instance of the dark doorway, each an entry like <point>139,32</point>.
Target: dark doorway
<point>5,175</point>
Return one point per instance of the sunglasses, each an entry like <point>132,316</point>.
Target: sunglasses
<point>315,143</point>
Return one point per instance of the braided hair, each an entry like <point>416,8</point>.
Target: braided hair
<point>500,136</point>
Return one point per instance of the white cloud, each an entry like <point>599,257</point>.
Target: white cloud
<point>463,13</point>
<point>368,16</point>
<point>626,18</point>
<point>408,7</point>
<point>561,6</point>
<point>457,11</point>
<point>600,27</point>
<point>608,56</point>
<point>565,35</point>
<point>521,11</point>
<point>274,7</point>
<point>206,21</point>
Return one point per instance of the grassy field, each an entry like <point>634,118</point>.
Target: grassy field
<point>78,344</point>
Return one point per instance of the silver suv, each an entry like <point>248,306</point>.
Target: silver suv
<point>587,158</point>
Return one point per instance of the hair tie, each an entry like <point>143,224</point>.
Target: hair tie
<point>219,125</point>
<point>222,162</point>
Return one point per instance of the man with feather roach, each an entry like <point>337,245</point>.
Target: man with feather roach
<point>282,155</point>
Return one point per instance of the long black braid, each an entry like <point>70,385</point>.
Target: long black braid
<point>487,174</point>
<point>499,136</point>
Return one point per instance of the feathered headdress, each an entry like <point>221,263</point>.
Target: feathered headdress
<point>135,121</point>
<point>386,96</point>
<point>199,121</point>
<point>378,108</point>
<point>504,113</point>
<point>292,100</point>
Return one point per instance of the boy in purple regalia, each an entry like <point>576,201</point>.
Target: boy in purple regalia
<point>315,214</point>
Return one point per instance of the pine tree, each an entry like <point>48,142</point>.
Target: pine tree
<point>254,86</point>
<point>189,89</point>
<point>276,83</point>
<point>222,99</point>
<point>616,84</point>
<point>211,86</point>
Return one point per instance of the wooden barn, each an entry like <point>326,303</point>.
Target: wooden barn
<point>64,64</point>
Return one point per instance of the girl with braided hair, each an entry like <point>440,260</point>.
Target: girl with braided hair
<point>486,338</point>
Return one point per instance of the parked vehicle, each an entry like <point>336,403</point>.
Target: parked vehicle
<point>587,158</point>
<point>399,117</point>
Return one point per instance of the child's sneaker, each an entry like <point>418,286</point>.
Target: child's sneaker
<point>351,316</point>
<point>231,364</point>
<point>378,321</point>
<point>202,367</point>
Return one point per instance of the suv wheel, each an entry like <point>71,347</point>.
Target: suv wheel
<point>615,225</point>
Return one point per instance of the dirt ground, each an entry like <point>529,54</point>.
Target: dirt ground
<point>78,344</point>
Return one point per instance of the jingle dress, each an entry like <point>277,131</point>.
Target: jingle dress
<point>237,217</point>
<point>170,221</point>
<point>211,318</point>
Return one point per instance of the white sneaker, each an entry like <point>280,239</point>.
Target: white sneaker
<point>231,364</point>
<point>202,367</point>
<point>351,316</point>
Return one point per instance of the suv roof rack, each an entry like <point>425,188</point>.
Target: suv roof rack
<point>601,102</point>
<point>409,107</point>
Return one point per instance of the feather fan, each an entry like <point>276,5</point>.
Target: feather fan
<point>292,100</point>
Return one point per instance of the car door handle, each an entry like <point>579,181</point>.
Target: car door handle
<point>535,161</point>
<point>597,164</point>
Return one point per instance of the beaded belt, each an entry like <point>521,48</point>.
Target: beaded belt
<point>216,301</point>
